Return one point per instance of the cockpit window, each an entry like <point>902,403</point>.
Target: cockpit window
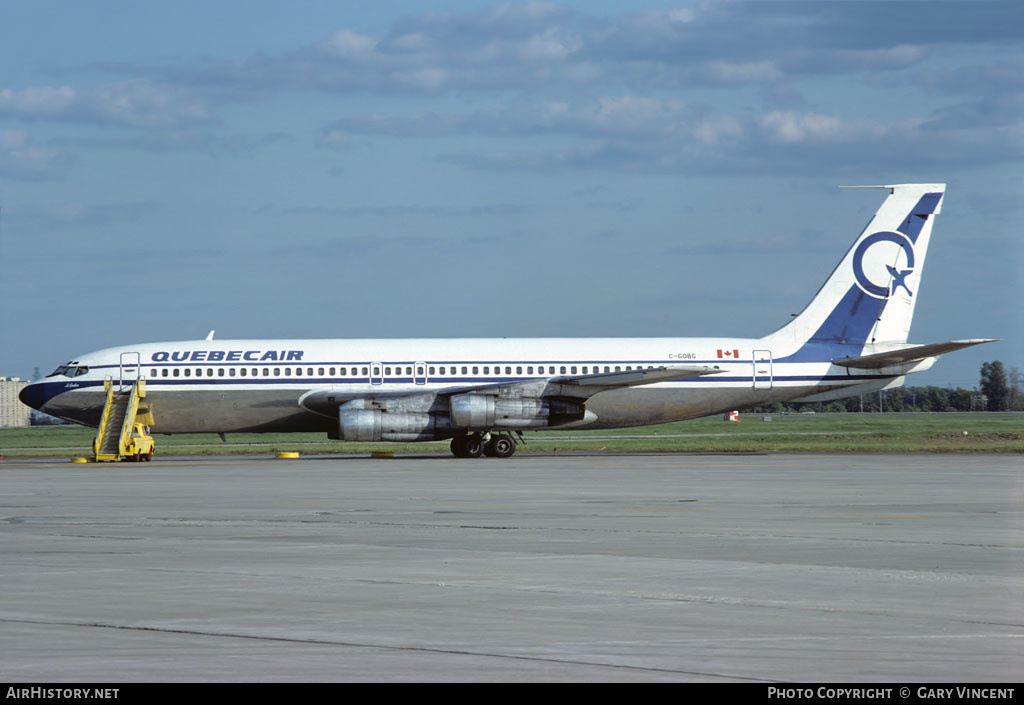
<point>69,371</point>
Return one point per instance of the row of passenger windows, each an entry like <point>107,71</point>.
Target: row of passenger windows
<point>391,371</point>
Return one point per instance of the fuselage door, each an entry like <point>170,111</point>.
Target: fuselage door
<point>762,369</point>
<point>376,373</point>
<point>420,373</point>
<point>128,369</point>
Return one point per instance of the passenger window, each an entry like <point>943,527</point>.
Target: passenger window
<point>343,371</point>
<point>573,369</point>
<point>231,372</point>
<point>321,371</point>
<point>277,371</point>
<point>242,372</point>
<point>220,371</point>
<point>562,370</point>
<point>188,372</point>
<point>175,371</point>
<point>487,370</point>
<point>163,372</point>
<point>431,371</point>
<point>365,372</point>
<point>387,370</point>
<point>287,371</point>
<point>519,370</point>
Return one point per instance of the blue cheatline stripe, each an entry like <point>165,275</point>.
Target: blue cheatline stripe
<point>55,388</point>
<point>468,363</point>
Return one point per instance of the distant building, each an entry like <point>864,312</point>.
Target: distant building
<point>12,411</point>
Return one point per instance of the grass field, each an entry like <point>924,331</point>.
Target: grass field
<point>942,432</point>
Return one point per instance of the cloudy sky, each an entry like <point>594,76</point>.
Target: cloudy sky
<point>437,169</point>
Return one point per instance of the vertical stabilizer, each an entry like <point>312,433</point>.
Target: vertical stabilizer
<point>870,296</point>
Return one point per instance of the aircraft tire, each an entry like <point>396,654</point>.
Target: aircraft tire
<point>501,446</point>
<point>469,446</point>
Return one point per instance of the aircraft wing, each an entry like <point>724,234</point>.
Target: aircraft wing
<point>578,387</point>
<point>589,385</point>
<point>911,353</point>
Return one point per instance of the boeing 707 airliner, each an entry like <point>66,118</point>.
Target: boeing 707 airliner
<point>850,340</point>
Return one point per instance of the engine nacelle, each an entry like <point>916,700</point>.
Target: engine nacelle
<point>376,425</point>
<point>485,411</point>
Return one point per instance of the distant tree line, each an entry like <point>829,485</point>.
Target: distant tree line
<point>998,390</point>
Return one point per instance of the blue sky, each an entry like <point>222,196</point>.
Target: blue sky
<point>401,169</point>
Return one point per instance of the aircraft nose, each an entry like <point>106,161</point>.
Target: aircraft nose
<point>33,395</point>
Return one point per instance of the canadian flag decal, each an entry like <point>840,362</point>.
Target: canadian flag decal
<point>735,354</point>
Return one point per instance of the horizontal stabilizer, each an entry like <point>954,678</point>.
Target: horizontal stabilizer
<point>910,353</point>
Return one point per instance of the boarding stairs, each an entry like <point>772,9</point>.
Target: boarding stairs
<point>120,435</point>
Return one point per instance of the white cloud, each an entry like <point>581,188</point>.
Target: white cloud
<point>22,160</point>
<point>37,102</point>
<point>549,46</point>
<point>144,104</point>
<point>425,78</point>
<point>746,72</point>
<point>718,129</point>
<point>71,214</point>
<point>350,45</point>
<point>137,103</point>
<point>793,127</point>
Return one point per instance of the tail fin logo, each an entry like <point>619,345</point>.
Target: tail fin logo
<point>873,257</point>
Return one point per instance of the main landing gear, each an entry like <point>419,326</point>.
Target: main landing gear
<point>473,445</point>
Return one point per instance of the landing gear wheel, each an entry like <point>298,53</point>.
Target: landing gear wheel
<point>501,446</point>
<point>471,446</point>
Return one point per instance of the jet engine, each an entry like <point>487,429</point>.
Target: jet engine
<point>376,425</point>
<point>485,411</point>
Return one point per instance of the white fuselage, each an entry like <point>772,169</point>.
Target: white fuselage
<point>258,385</point>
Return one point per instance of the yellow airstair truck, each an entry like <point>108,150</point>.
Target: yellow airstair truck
<point>122,434</point>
